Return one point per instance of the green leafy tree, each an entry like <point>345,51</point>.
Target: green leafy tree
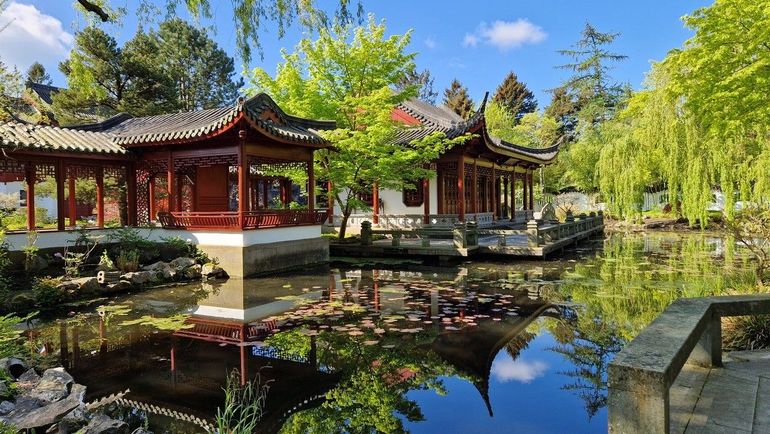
<point>587,98</point>
<point>456,97</point>
<point>103,79</point>
<point>249,16</point>
<point>202,72</point>
<point>534,130</point>
<point>423,82</point>
<point>11,90</point>
<point>701,122</point>
<point>348,74</point>
<point>515,96</point>
<point>37,74</point>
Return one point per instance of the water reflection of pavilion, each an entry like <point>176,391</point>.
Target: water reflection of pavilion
<point>182,373</point>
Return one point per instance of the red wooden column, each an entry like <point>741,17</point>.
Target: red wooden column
<point>461,189</point>
<point>310,186</point>
<point>375,204</point>
<point>330,202</point>
<point>505,196</point>
<point>100,197</point>
<point>475,190</point>
<point>131,192</point>
<point>426,201</point>
<point>151,198</point>
<point>31,178</point>
<point>495,193</point>
<point>524,192</point>
<point>60,206</point>
<point>288,188</point>
<point>242,178</point>
<point>170,184</point>
<point>179,187</point>
<point>72,207</point>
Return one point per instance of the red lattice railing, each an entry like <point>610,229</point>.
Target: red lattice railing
<point>251,219</point>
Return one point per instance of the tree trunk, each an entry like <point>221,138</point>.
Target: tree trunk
<point>344,224</point>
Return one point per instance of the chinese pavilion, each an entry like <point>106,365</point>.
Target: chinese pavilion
<point>216,175</point>
<point>486,179</point>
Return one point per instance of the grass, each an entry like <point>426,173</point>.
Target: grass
<point>244,405</point>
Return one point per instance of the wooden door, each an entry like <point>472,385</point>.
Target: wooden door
<point>211,188</point>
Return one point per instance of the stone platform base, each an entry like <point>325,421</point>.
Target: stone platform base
<point>259,259</point>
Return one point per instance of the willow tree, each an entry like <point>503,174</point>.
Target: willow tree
<point>702,122</point>
<point>349,74</point>
<point>249,16</point>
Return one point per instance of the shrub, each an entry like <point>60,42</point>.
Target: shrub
<point>47,292</point>
<point>128,261</point>
<point>176,243</point>
<point>746,332</point>
<point>105,263</point>
<point>130,240</point>
<point>5,265</point>
<point>30,252</point>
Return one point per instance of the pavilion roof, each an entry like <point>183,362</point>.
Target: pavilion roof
<point>118,133</point>
<point>443,119</point>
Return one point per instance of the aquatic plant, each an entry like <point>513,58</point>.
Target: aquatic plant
<point>128,261</point>
<point>10,344</point>
<point>244,405</point>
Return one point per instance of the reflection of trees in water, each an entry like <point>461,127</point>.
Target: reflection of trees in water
<point>625,288</point>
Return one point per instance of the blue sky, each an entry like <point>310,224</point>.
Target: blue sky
<point>476,42</point>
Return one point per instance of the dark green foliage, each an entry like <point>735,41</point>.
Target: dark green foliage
<point>515,96</point>
<point>423,82</point>
<point>244,405</point>
<point>37,74</point>
<point>202,72</point>
<point>47,293</point>
<point>456,97</point>
<point>104,79</point>
<point>10,342</point>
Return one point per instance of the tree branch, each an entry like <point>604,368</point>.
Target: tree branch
<point>96,9</point>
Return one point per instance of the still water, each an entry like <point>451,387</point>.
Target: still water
<point>498,347</point>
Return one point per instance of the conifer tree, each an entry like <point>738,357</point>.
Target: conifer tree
<point>37,74</point>
<point>515,96</point>
<point>423,81</point>
<point>456,97</point>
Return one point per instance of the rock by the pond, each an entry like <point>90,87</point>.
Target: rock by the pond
<point>141,430</point>
<point>102,424</point>
<point>72,421</point>
<point>161,269</point>
<point>36,264</point>
<point>6,407</point>
<point>13,366</point>
<point>119,286</point>
<point>87,284</point>
<point>193,272</point>
<point>54,385</point>
<point>138,277</point>
<point>182,263</point>
<point>67,285</point>
<point>212,270</point>
<point>28,379</point>
<point>27,416</point>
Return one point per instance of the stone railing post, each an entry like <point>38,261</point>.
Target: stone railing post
<point>425,240</point>
<point>502,240</point>
<point>366,233</point>
<point>396,241</point>
<point>472,234</point>
<point>569,220</point>
<point>459,235</point>
<point>708,352</point>
<point>601,217</point>
<point>533,233</point>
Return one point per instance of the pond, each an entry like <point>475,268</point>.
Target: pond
<point>480,347</point>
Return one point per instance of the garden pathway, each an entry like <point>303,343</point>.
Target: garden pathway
<point>732,399</point>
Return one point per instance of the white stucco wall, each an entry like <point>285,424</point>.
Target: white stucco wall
<point>55,239</point>
<point>393,203</point>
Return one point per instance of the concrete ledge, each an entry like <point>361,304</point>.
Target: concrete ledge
<point>688,331</point>
<point>267,258</point>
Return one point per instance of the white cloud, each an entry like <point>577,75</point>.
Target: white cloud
<point>518,370</point>
<point>32,36</point>
<point>431,43</point>
<point>470,40</point>
<point>506,35</point>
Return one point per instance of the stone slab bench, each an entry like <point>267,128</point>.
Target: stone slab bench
<point>688,331</point>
